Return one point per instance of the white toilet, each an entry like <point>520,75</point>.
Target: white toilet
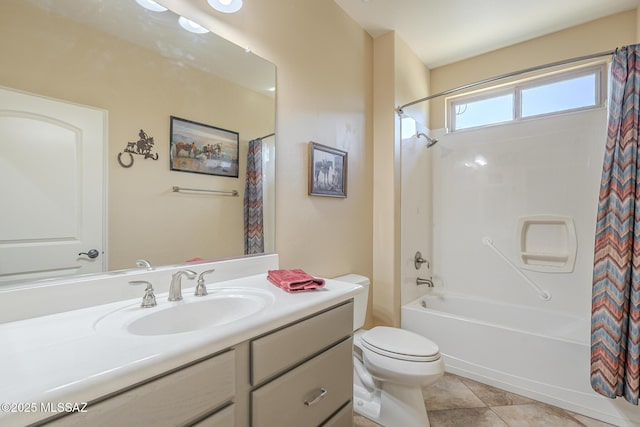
<point>390,367</point>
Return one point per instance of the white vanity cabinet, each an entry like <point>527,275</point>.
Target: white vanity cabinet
<point>309,394</point>
<point>297,375</point>
<point>304,372</point>
<point>223,418</point>
<point>178,398</point>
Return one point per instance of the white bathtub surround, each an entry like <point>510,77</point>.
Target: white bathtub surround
<point>77,355</point>
<point>512,183</point>
<point>543,294</point>
<point>538,353</point>
<point>546,166</point>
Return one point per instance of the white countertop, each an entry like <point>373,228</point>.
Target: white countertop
<point>64,358</point>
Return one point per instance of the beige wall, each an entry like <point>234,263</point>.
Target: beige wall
<point>597,36</point>
<point>637,40</point>
<point>386,185</point>
<point>324,85</point>
<point>399,77</point>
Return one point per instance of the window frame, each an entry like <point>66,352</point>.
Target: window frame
<point>484,95</point>
<point>516,88</point>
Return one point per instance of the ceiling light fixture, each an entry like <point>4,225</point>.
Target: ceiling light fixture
<point>151,5</point>
<point>191,26</point>
<point>226,6</point>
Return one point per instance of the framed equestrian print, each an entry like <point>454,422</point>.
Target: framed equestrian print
<point>199,148</point>
<point>327,171</point>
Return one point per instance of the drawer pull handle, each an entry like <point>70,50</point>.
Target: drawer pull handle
<point>317,398</point>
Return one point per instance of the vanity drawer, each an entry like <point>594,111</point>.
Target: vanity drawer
<point>223,418</point>
<point>274,353</point>
<point>294,398</point>
<point>174,399</point>
<point>343,418</point>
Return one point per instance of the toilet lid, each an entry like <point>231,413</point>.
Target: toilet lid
<point>400,344</point>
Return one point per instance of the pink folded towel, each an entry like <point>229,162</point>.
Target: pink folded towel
<point>295,280</point>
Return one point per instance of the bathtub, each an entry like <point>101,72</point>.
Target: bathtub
<point>533,352</point>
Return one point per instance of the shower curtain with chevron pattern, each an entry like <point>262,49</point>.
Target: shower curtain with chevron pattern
<point>615,311</point>
<point>253,214</point>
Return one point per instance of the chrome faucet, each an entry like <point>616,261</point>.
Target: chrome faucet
<point>201,288</point>
<point>144,263</point>
<point>421,281</point>
<point>175,291</point>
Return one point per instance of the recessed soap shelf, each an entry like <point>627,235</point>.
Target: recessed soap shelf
<point>547,243</point>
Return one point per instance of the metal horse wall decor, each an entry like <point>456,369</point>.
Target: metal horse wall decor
<point>141,147</point>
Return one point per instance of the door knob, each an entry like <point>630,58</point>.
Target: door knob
<point>93,253</point>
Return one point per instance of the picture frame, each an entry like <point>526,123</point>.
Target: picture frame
<point>327,171</point>
<point>200,148</point>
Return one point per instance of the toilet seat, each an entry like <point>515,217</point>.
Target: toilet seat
<point>400,344</point>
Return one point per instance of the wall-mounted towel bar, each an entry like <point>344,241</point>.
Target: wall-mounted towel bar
<point>543,294</point>
<point>227,192</point>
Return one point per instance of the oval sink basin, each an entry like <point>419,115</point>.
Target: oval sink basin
<point>192,314</point>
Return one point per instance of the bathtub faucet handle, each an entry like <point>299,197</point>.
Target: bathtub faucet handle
<point>421,281</point>
<point>418,261</point>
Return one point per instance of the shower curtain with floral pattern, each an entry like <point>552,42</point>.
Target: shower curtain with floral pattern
<point>615,312</point>
<point>253,216</point>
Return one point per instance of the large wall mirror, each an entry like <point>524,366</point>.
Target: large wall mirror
<point>139,68</point>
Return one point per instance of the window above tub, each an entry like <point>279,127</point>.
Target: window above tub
<point>560,92</point>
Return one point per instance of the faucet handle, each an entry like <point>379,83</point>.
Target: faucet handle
<point>149,299</point>
<point>201,288</point>
<point>418,261</point>
<point>144,263</point>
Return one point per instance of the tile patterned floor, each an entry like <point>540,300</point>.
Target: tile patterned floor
<point>455,401</point>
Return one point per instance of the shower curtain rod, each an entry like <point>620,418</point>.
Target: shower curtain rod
<point>266,136</point>
<point>504,76</point>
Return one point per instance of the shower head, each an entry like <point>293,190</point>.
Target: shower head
<point>430,141</point>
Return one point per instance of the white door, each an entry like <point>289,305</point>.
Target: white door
<point>52,178</point>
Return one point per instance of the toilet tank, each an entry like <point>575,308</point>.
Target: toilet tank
<point>360,299</point>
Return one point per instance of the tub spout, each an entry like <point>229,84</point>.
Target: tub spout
<point>421,281</point>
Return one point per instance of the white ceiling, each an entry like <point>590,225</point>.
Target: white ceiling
<point>445,31</point>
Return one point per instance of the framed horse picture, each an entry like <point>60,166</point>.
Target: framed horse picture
<point>200,148</point>
<point>327,171</point>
